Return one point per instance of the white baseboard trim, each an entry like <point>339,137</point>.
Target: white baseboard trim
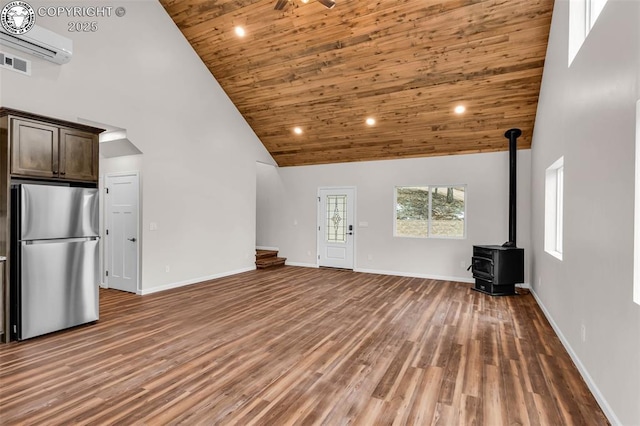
<point>267,248</point>
<point>602,401</point>
<point>405,274</point>
<point>400,274</point>
<point>192,281</point>
<point>303,265</point>
<point>416,275</point>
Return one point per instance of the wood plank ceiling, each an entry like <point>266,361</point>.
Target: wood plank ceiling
<point>405,63</point>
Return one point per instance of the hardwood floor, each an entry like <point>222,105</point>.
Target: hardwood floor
<point>300,346</point>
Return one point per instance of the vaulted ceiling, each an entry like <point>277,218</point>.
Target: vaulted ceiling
<point>405,63</point>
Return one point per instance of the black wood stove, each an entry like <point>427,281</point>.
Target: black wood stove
<point>497,269</point>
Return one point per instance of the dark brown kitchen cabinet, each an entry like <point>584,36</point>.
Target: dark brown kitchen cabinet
<point>50,151</point>
<point>78,155</point>
<point>34,149</point>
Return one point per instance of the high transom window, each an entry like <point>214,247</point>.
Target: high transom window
<point>554,208</point>
<point>582,17</point>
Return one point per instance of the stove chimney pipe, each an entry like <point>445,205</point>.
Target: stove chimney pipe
<point>512,135</point>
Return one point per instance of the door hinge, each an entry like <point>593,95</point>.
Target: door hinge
<point>318,199</point>
<point>107,273</point>
<point>318,257</point>
<point>318,228</point>
<point>107,231</point>
<point>107,189</point>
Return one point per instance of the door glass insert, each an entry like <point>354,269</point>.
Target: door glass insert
<point>336,218</point>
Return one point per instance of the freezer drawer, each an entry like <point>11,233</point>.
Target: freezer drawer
<point>59,285</point>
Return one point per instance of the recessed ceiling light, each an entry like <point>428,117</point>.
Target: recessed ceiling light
<point>305,1</point>
<point>240,32</point>
<point>370,121</point>
<point>460,109</point>
<point>297,130</point>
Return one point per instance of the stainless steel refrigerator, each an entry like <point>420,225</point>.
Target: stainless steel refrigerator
<point>55,264</point>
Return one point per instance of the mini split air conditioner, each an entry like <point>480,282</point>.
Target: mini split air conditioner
<point>40,42</point>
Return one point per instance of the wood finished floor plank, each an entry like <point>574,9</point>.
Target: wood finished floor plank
<point>392,373</point>
<point>454,367</point>
<point>569,410</point>
<point>298,346</point>
<point>427,351</point>
<point>494,407</point>
<point>371,413</point>
<point>424,407</point>
<point>472,379</point>
<point>514,397</point>
<point>470,411</point>
<point>432,300</point>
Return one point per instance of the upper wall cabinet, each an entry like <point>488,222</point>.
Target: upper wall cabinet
<point>78,155</point>
<point>34,149</point>
<point>50,149</point>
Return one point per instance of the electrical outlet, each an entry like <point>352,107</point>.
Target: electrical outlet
<point>463,264</point>
<point>153,226</point>
<point>583,333</point>
<point>370,257</point>
<point>167,268</point>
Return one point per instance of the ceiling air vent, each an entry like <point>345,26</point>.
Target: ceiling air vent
<point>14,63</point>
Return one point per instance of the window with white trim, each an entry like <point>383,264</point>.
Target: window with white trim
<point>582,17</point>
<point>553,208</point>
<point>429,211</point>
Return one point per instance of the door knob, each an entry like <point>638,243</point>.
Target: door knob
<point>133,240</point>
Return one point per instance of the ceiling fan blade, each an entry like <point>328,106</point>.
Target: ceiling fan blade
<point>280,4</point>
<point>328,3</point>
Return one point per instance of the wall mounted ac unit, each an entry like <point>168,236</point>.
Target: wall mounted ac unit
<point>40,42</point>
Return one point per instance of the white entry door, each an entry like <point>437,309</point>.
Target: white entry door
<point>336,227</point>
<point>122,233</point>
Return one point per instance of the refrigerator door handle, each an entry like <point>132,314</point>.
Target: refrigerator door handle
<point>60,240</point>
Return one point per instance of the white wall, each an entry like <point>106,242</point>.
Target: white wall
<point>198,175</point>
<point>586,113</point>
<point>270,195</point>
<point>377,250</point>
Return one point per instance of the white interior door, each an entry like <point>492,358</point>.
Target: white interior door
<point>122,231</point>
<point>336,227</point>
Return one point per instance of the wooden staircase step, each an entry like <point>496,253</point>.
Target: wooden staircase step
<point>264,254</point>
<point>268,259</point>
<point>270,262</point>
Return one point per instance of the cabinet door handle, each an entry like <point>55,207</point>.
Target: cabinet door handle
<point>55,172</point>
<point>63,173</point>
